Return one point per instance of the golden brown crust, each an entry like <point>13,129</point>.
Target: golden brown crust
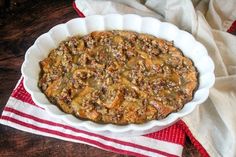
<point>118,77</point>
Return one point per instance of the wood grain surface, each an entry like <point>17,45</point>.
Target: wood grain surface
<point>21,22</point>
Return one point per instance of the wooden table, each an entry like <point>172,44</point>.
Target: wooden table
<point>21,22</point>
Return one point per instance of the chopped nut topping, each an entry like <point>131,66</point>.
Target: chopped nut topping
<point>118,77</point>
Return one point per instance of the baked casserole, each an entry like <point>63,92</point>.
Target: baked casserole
<point>118,77</point>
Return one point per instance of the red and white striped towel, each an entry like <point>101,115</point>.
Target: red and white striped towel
<point>23,114</point>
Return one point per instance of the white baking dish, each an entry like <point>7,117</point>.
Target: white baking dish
<point>82,26</point>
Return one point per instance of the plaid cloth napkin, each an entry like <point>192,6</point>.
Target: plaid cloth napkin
<point>22,113</point>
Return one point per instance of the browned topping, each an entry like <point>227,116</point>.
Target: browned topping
<point>118,77</point>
